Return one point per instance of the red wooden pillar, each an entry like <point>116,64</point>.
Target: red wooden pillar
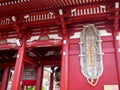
<point>19,67</point>
<point>39,78</point>
<point>64,65</point>
<point>116,41</point>
<point>52,79</point>
<point>65,57</point>
<point>5,78</point>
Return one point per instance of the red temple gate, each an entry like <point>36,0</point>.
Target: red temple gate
<point>47,33</point>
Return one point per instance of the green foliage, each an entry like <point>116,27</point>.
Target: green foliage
<point>43,88</point>
<point>30,88</point>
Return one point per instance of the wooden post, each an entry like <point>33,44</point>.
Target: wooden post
<point>52,79</point>
<point>19,66</point>
<point>116,42</point>
<point>5,78</point>
<point>64,65</point>
<point>65,55</point>
<point>39,78</point>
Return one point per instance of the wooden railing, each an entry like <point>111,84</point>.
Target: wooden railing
<point>5,21</point>
<point>82,11</point>
<point>98,9</point>
<point>40,16</point>
<point>29,18</point>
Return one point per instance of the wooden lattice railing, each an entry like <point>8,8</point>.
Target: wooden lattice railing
<point>90,10</point>
<point>47,16</point>
<point>5,21</point>
<point>30,18</point>
<point>40,16</point>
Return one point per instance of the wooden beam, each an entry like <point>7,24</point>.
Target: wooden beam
<point>30,61</point>
<point>44,43</point>
<point>8,46</point>
<point>51,62</point>
<point>33,44</point>
<point>10,64</point>
<point>35,53</point>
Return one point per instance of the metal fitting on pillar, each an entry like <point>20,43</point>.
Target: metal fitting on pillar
<point>64,42</point>
<point>60,12</point>
<point>64,53</point>
<point>117,4</point>
<point>13,18</point>
<point>118,37</point>
<point>18,55</point>
<point>119,50</point>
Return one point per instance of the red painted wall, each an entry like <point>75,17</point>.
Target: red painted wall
<point>77,81</point>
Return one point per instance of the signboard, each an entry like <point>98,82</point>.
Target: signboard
<point>29,73</point>
<point>111,87</point>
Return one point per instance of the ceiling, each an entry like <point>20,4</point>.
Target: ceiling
<point>39,54</point>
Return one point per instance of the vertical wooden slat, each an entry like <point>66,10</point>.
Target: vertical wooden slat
<point>75,13</point>
<point>94,10</point>
<point>63,2</point>
<point>81,11</point>
<point>91,11</point>
<point>78,12</point>
<point>60,3</point>
<point>39,17</point>
<point>84,11</point>
<point>34,18</point>
<point>82,1</point>
<point>98,10</point>
<point>69,1</point>
<point>73,2</point>
<point>89,1</point>
<point>93,0</point>
<point>53,16</point>
<point>48,16</point>
<point>55,2</point>
<point>76,1</point>
<point>105,9</point>
<point>88,11</point>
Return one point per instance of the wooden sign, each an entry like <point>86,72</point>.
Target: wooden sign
<point>29,74</point>
<point>111,87</point>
